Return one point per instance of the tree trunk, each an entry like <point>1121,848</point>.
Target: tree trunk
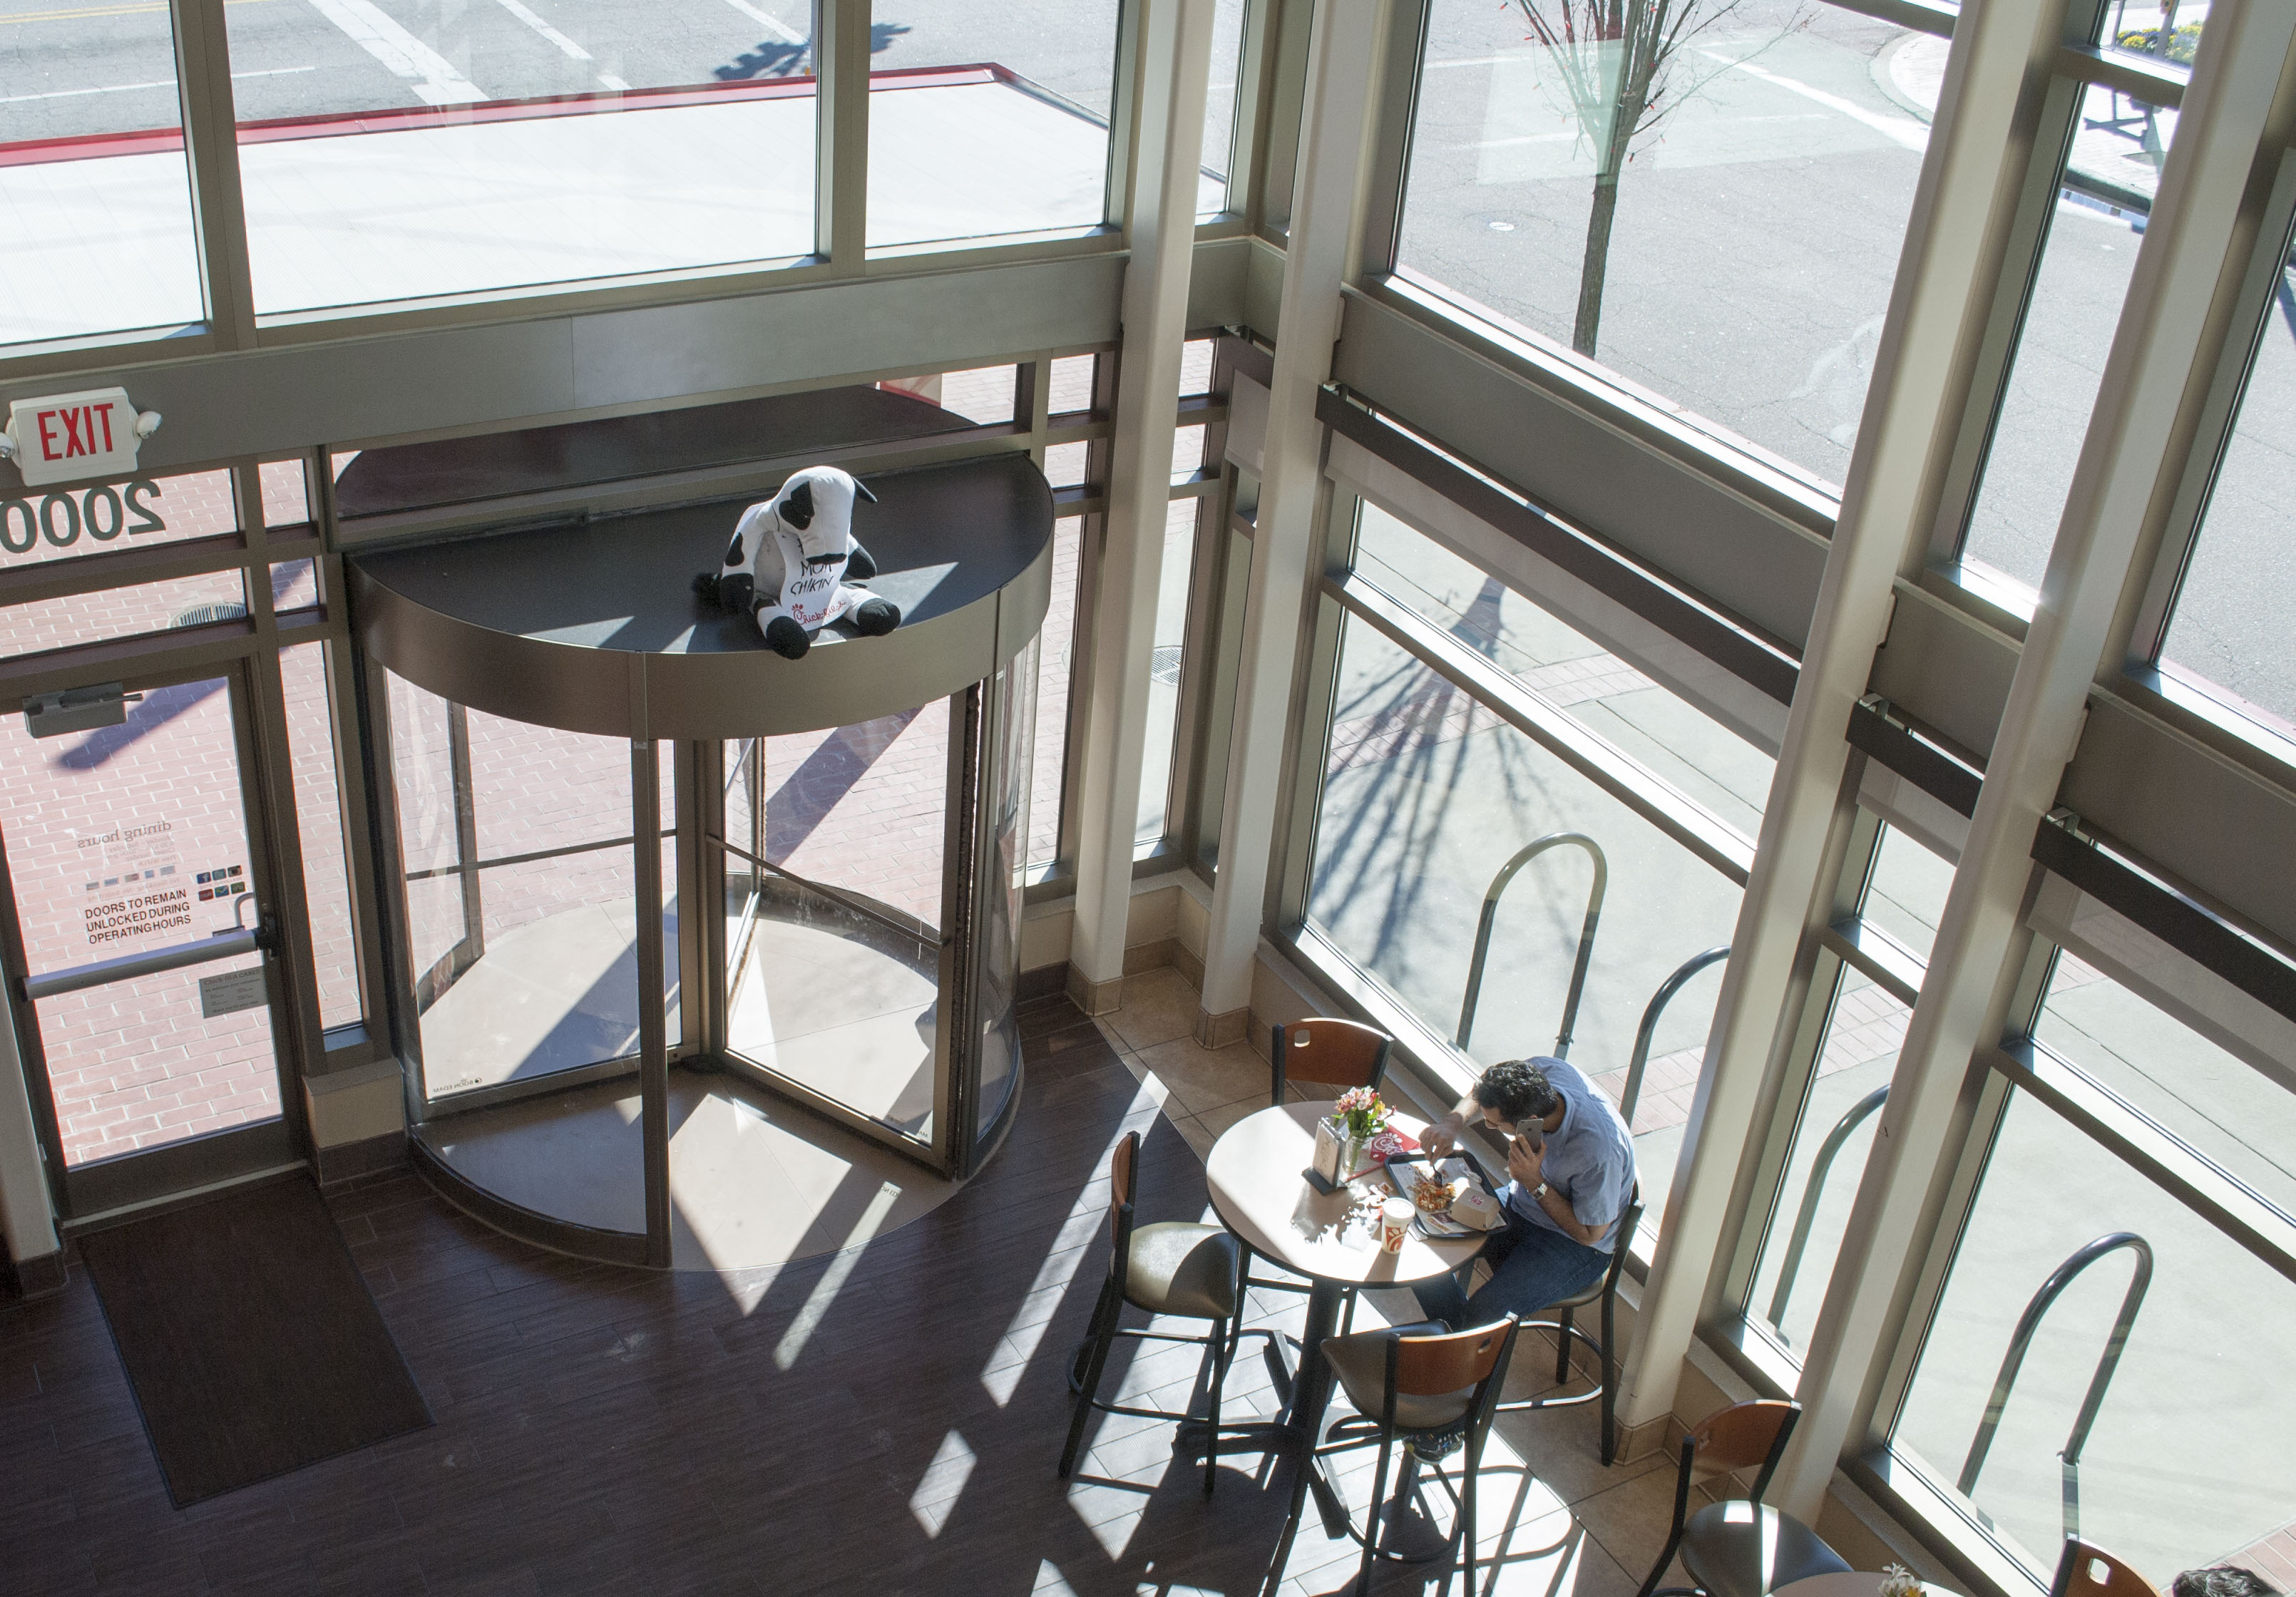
<point>1633,100</point>
<point>1595,265</point>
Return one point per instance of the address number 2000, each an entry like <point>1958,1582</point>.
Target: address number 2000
<point>102,513</point>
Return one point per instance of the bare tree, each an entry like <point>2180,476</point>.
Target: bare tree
<point>1620,64</point>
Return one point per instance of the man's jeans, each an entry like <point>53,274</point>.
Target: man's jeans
<point>1532,1265</point>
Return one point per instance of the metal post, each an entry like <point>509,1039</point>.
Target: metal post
<point>654,1047</point>
<point>1948,274</point>
<point>2172,330</point>
<point>1177,42</point>
<point>1343,66</point>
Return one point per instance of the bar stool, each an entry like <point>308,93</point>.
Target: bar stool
<point>1327,1052</point>
<point>1741,1548</point>
<point>1409,1381</point>
<point>1178,1268</point>
<point>1606,1292</point>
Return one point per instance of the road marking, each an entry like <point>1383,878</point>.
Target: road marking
<point>765,19</point>
<point>608,80</point>
<point>545,29</point>
<point>157,83</point>
<point>144,8</point>
<point>431,75</point>
<point>1905,130</point>
<point>1555,138</point>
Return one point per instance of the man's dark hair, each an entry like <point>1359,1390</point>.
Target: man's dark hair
<point>2222,1580</point>
<point>1520,1091</point>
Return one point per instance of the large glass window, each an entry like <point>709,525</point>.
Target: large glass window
<point>1839,1085</point>
<point>1712,214</point>
<point>408,152</point>
<point>2230,630</point>
<point>1219,110</point>
<point>95,201</point>
<point>1427,794</point>
<point>984,119</point>
<point>1725,775</point>
<point>2076,301</point>
<point>2187,1464</point>
<point>1056,646</point>
<point>1164,671</point>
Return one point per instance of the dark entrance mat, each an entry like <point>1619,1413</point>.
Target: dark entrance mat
<point>250,1339</point>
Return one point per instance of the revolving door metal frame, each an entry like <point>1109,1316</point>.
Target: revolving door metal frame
<point>698,858</point>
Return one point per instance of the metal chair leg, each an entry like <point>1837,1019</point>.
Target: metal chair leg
<point>1216,1345</point>
<point>1610,1388</point>
<point>1104,1316</point>
<point>1378,1502</point>
<point>1563,1348</point>
<point>1474,1464</point>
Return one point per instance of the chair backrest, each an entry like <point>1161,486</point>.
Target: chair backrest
<point>1743,1437</point>
<point>1628,1221</point>
<point>1432,1366</point>
<point>2085,1570</point>
<point>1122,1166</point>
<point>1329,1052</point>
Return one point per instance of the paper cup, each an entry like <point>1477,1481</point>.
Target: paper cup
<point>1394,1223</point>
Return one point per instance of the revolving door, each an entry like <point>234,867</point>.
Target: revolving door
<point>669,910</point>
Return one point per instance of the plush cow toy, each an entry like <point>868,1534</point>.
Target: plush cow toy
<point>789,561</point>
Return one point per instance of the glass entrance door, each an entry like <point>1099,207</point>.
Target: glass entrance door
<point>836,917</point>
<point>139,940</point>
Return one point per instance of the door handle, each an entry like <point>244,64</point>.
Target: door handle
<point>266,935</point>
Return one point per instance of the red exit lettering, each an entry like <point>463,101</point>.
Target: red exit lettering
<point>81,423</point>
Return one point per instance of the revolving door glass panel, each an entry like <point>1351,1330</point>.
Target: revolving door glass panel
<point>1009,740</point>
<point>517,848</point>
<point>835,851</point>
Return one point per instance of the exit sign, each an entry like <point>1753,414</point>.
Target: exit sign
<point>65,438</point>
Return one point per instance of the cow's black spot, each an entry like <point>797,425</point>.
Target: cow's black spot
<point>734,551</point>
<point>797,509</point>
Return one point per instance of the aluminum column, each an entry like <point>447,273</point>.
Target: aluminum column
<point>1948,272</point>
<point>1176,65</point>
<point>2172,331</point>
<point>1343,55</point>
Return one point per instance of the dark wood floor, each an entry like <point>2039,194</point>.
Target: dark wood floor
<point>606,1430</point>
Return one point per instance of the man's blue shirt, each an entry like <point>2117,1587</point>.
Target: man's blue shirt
<point>1590,1157</point>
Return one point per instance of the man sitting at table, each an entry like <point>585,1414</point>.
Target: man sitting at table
<point>1572,1161</point>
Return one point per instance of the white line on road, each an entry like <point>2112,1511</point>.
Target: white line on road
<point>157,83</point>
<point>1911,133</point>
<point>1572,132</point>
<point>607,80</point>
<point>765,19</point>
<point>545,29</point>
<point>429,75</point>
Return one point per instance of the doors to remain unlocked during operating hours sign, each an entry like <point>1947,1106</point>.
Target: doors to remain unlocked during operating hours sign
<point>229,993</point>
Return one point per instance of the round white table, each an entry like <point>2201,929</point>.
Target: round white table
<point>1260,1189</point>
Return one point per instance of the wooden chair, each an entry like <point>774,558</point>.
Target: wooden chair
<point>2087,1570</point>
<point>1408,1381</point>
<point>1176,1268</point>
<point>1603,1291</point>
<point>1740,1548</point>
<point>1324,1053</point>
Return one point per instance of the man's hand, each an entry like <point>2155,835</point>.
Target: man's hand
<point>1524,1157</point>
<point>1439,1139</point>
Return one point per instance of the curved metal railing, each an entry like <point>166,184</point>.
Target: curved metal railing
<point>1812,1191</point>
<point>2027,1323</point>
<point>1491,896</point>
<point>1648,1029</point>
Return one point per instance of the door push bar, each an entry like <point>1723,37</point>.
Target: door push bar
<point>223,945</point>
